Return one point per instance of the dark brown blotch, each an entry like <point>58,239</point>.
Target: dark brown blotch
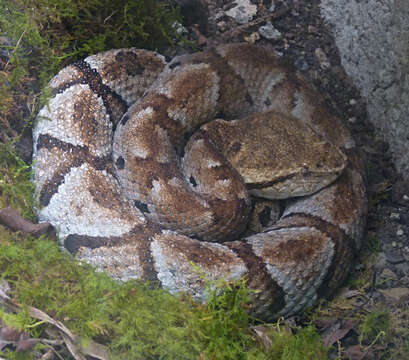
<point>74,242</point>
<point>76,156</point>
<point>259,279</point>
<point>111,100</point>
<point>249,99</point>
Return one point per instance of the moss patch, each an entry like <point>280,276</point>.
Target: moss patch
<point>16,190</point>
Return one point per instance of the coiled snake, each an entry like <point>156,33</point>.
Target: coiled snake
<point>141,181</point>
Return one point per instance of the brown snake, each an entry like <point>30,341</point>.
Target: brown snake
<point>141,181</point>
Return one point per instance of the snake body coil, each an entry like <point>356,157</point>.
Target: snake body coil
<point>141,181</point>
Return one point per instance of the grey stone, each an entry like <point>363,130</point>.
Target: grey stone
<point>243,11</point>
<point>301,64</point>
<point>396,294</point>
<point>388,274</point>
<point>394,216</point>
<point>402,268</point>
<point>269,32</point>
<point>372,37</point>
<point>322,58</point>
<point>394,257</point>
<point>380,262</point>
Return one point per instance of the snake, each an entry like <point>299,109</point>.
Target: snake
<point>218,165</point>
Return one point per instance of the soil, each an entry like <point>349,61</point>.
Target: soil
<point>295,31</point>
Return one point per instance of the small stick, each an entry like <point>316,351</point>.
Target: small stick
<point>10,218</point>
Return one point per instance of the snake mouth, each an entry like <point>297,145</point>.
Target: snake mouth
<point>299,183</point>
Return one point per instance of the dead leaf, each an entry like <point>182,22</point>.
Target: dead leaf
<point>4,289</point>
<point>346,293</point>
<point>356,352</point>
<point>72,347</point>
<point>49,355</point>
<point>264,334</point>
<point>337,332</point>
<point>9,333</point>
<point>26,344</point>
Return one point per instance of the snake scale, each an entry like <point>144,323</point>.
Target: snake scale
<point>224,162</point>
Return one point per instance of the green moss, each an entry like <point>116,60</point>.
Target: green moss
<point>304,345</point>
<point>376,326</point>
<point>21,355</point>
<point>373,243</point>
<point>46,32</point>
<point>16,190</point>
<point>223,322</point>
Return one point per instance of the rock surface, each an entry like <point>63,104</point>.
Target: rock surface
<point>372,37</point>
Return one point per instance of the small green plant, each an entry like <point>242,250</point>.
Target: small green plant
<point>225,321</point>
<point>305,344</point>
<point>21,355</point>
<point>373,243</point>
<point>376,326</point>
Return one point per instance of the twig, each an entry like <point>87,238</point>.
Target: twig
<point>71,340</point>
<point>240,29</point>
<point>15,222</point>
<point>15,48</point>
<point>108,17</point>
